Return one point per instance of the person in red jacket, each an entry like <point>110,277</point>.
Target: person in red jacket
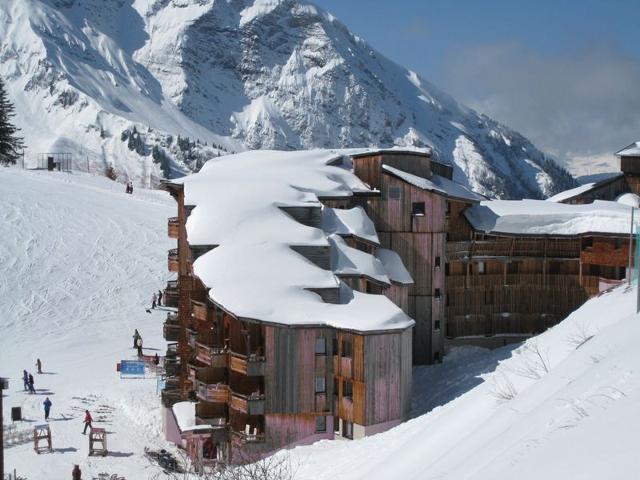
<point>87,421</point>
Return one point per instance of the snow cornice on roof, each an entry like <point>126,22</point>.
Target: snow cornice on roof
<point>632,150</point>
<point>541,218</point>
<point>254,273</point>
<point>582,189</point>
<point>437,184</point>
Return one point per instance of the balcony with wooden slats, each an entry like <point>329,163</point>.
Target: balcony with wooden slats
<point>250,404</point>
<point>251,365</point>
<point>172,260</point>
<point>213,356</point>
<point>173,227</point>
<point>171,328</point>
<point>199,310</point>
<point>212,392</point>
<point>170,297</point>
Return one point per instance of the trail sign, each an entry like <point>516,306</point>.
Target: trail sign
<point>131,369</point>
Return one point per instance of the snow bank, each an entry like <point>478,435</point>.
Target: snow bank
<point>254,272</point>
<point>541,217</point>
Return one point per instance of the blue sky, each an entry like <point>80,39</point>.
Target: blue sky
<point>562,72</point>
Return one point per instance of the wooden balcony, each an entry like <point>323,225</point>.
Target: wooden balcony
<point>170,397</point>
<point>171,328</point>
<point>173,227</point>
<point>218,393</point>
<point>199,310</point>
<point>252,365</point>
<point>172,260</point>
<point>192,337</point>
<point>170,297</point>
<point>244,437</point>
<point>212,356</point>
<point>249,404</point>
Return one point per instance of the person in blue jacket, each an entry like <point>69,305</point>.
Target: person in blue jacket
<point>47,408</point>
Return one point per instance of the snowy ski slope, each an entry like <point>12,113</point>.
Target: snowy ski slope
<point>80,260</point>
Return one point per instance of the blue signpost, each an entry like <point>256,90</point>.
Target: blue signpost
<point>131,369</point>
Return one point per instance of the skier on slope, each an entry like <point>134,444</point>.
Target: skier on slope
<point>47,408</point>
<point>39,365</point>
<point>159,298</point>
<point>76,474</point>
<point>31,388</point>
<point>25,379</point>
<point>139,346</point>
<point>154,300</point>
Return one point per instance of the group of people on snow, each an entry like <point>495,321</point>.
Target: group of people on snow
<point>129,189</point>
<point>156,299</point>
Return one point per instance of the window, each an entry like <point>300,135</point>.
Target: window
<point>347,429</point>
<point>321,424</point>
<point>436,325</point>
<point>346,348</point>
<point>436,293</point>
<point>335,386</point>
<point>447,209</point>
<point>437,262</point>
<point>481,268</point>
<point>321,346</point>
<point>334,345</point>
<point>321,386</point>
<point>436,357</point>
<point>446,268</point>
<point>394,193</point>
<point>446,300</point>
<point>417,208</point>
<point>347,388</point>
<point>554,268</point>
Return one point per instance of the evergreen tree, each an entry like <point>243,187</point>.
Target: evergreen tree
<point>10,142</point>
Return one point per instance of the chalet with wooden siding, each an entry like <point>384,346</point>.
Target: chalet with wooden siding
<point>284,332</point>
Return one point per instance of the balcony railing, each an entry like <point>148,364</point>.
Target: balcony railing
<point>213,356</point>
<point>248,436</point>
<point>249,404</point>
<point>218,393</point>
<point>199,310</point>
<point>171,294</point>
<point>252,365</point>
<point>192,336</point>
<point>171,328</point>
<point>172,260</point>
<point>173,227</point>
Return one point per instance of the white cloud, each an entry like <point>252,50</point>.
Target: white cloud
<point>576,104</point>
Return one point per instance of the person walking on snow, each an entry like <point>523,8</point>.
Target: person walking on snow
<point>87,421</point>
<point>139,346</point>
<point>25,379</point>
<point>159,298</point>
<point>39,365</point>
<point>76,473</point>
<point>47,408</point>
<point>154,299</point>
<point>136,336</point>
<point>31,389</point>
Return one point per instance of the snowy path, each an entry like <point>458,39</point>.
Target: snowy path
<point>80,261</point>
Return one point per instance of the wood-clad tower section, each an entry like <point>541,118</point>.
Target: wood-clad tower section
<point>413,221</point>
<point>261,386</point>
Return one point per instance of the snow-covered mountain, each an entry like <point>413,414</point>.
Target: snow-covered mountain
<point>144,84</point>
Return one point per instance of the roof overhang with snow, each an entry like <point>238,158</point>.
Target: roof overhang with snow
<point>254,273</point>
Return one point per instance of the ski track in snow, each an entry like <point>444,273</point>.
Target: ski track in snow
<point>80,260</point>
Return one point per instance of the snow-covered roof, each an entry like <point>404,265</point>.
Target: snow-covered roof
<point>185,414</point>
<point>574,192</point>
<point>632,150</point>
<point>437,184</point>
<point>541,217</point>
<point>629,199</point>
<point>254,273</point>
<point>395,150</point>
<point>353,221</point>
<point>393,266</point>
<point>346,260</point>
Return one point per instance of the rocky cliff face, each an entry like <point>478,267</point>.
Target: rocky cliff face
<point>232,75</point>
